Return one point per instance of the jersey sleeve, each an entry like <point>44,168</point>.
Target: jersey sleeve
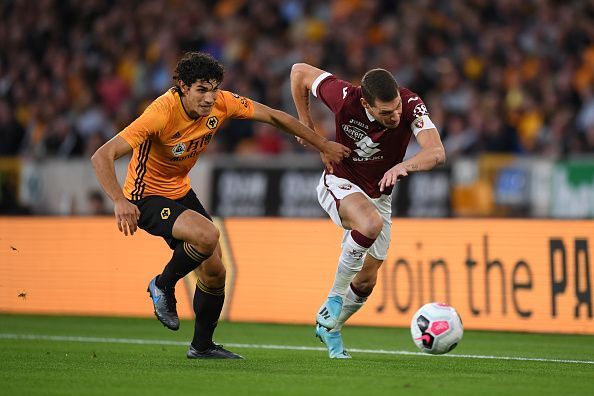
<point>331,91</point>
<point>416,114</point>
<point>150,123</point>
<point>237,106</point>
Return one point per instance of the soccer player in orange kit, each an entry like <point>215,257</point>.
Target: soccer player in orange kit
<point>167,140</point>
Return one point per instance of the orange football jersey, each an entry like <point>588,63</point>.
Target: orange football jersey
<point>167,143</point>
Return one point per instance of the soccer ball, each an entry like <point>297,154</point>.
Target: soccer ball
<point>436,328</point>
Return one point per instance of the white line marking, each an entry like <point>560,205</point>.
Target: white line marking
<point>11,336</point>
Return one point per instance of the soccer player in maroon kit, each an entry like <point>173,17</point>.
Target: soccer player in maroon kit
<point>376,121</point>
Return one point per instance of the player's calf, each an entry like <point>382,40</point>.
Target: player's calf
<point>185,259</point>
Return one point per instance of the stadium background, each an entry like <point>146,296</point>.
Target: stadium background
<point>507,230</point>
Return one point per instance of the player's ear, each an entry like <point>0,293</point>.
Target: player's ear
<point>184,88</point>
<point>364,103</point>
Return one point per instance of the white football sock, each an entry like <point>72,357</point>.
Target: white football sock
<point>349,264</point>
<point>351,304</point>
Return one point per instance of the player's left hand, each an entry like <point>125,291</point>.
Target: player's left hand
<point>333,152</point>
<point>392,175</point>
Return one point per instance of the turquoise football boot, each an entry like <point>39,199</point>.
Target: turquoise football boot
<point>333,342</point>
<point>329,312</point>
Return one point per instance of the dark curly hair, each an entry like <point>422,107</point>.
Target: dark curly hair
<point>379,84</point>
<point>194,66</point>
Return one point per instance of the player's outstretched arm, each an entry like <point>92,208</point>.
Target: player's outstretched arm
<point>333,152</point>
<point>431,154</point>
<point>126,213</point>
<point>302,78</point>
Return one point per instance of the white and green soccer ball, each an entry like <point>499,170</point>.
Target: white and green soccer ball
<point>436,328</point>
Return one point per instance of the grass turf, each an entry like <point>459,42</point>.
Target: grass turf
<point>62,367</point>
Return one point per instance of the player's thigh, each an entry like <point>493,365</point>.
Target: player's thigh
<point>357,212</point>
<point>195,225</point>
<point>379,249</point>
<point>197,230</point>
<point>158,215</point>
<point>347,205</point>
<point>191,201</point>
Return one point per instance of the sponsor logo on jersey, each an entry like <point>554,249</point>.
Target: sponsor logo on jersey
<point>365,159</point>
<point>353,132</point>
<point>367,147</point>
<point>178,149</point>
<point>412,99</point>
<point>345,186</point>
<point>358,123</point>
<point>176,135</point>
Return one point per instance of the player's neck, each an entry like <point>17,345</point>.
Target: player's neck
<point>184,104</point>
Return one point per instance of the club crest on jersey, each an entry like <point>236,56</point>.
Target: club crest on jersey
<point>165,213</point>
<point>345,186</point>
<point>178,149</point>
<point>212,122</point>
<point>419,123</point>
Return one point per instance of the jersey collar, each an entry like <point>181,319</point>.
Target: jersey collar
<point>369,116</point>
<point>183,109</point>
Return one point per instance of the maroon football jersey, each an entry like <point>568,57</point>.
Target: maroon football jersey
<point>375,148</point>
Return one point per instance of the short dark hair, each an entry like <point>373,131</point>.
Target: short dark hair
<point>379,84</point>
<point>194,66</point>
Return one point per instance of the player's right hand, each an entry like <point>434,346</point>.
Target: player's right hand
<point>332,153</point>
<point>390,178</point>
<point>127,215</point>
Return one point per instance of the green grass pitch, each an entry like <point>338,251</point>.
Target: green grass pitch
<point>41,355</point>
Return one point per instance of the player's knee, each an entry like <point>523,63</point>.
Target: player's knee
<point>211,238</point>
<point>372,227</point>
<point>205,239</point>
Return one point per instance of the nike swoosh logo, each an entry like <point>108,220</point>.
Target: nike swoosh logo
<point>413,98</point>
<point>156,299</point>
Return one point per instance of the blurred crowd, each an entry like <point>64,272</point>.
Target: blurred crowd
<point>497,76</point>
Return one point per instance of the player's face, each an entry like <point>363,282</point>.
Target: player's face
<point>386,113</point>
<point>200,97</point>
